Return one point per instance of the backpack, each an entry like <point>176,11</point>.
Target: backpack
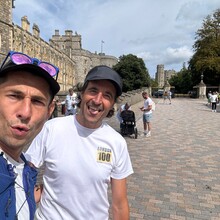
<point>153,106</point>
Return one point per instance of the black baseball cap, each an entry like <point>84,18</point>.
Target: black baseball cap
<point>32,68</point>
<point>107,73</point>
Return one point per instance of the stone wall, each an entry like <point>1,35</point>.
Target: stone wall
<point>35,46</point>
<point>5,26</point>
<point>132,97</point>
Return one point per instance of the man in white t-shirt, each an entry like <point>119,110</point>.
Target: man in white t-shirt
<point>71,102</point>
<point>147,113</point>
<point>214,99</point>
<point>83,156</point>
<point>169,96</point>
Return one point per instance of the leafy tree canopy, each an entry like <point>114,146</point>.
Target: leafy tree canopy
<point>206,59</point>
<point>182,81</point>
<point>133,72</point>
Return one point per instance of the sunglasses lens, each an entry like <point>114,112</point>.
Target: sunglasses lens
<point>49,68</point>
<point>18,58</point>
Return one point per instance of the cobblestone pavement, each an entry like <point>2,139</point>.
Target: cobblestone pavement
<point>177,169</point>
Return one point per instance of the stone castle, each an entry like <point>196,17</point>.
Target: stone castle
<point>64,51</point>
<point>163,75</point>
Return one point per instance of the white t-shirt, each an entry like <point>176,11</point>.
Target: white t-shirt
<point>148,102</point>
<point>71,101</point>
<point>213,98</point>
<point>79,164</point>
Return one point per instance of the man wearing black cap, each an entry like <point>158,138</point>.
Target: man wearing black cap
<point>84,155</point>
<point>26,94</point>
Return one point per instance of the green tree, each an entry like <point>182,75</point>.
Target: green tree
<point>182,81</point>
<point>206,59</point>
<point>153,83</point>
<point>133,72</point>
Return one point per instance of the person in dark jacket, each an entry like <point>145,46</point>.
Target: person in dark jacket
<point>27,89</point>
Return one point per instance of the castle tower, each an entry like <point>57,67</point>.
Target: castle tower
<point>67,42</point>
<point>160,75</point>
<point>6,27</point>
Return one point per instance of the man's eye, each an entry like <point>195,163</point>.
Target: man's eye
<point>14,96</point>
<point>38,102</point>
<point>108,96</point>
<point>92,91</point>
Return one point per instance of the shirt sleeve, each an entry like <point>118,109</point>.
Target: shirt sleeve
<point>150,102</point>
<point>123,167</point>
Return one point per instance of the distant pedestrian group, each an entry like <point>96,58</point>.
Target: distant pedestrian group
<point>167,96</point>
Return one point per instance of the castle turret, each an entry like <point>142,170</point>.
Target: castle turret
<point>160,75</point>
<point>25,24</point>
<point>67,42</point>
<point>36,31</point>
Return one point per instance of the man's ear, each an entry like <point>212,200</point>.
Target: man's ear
<point>51,109</point>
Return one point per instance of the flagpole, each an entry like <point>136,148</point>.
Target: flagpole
<point>102,42</point>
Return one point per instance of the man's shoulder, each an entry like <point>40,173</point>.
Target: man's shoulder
<point>58,121</point>
<point>149,100</point>
<point>107,129</point>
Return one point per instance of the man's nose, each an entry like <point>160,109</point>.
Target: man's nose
<point>25,109</point>
<point>98,98</point>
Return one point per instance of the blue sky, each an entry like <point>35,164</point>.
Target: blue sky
<point>159,31</point>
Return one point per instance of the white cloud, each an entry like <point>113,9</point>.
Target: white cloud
<point>147,56</point>
<point>176,55</point>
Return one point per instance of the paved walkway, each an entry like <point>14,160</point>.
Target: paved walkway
<point>177,169</point>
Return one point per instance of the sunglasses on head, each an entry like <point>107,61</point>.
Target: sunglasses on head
<point>19,58</point>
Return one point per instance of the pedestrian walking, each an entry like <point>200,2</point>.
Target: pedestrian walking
<point>71,102</point>
<point>147,113</point>
<point>165,96</point>
<point>56,106</point>
<point>214,100</point>
<point>209,98</point>
<point>169,96</point>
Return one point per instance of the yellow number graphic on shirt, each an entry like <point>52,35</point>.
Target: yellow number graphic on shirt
<point>104,157</point>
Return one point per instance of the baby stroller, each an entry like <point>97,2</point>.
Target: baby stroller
<point>128,125</point>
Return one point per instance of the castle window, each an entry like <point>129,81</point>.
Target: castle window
<point>13,5</point>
